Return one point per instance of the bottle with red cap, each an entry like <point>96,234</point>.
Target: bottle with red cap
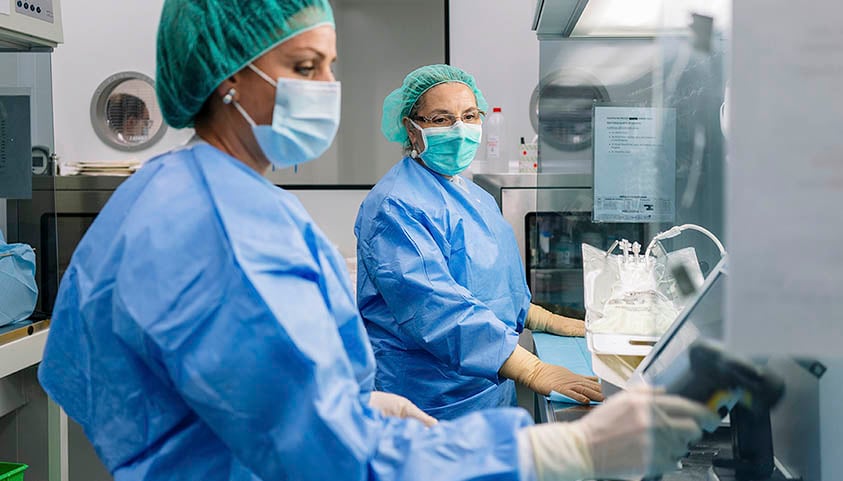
<point>494,130</point>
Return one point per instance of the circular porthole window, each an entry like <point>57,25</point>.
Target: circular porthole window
<point>125,113</point>
<point>561,109</point>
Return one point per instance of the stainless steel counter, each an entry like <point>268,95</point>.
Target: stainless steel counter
<point>77,182</point>
<point>550,411</point>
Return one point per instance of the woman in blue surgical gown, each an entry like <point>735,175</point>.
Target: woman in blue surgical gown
<point>206,329</point>
<point>440,283</point>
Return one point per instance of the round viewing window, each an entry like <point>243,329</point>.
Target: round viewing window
<point>125,113</point>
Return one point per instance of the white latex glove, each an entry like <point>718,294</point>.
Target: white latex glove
<point>399,407</point>
<point>542,320</point>
<point>635,433</point>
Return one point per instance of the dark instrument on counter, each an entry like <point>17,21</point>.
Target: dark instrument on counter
<point>730,385</point>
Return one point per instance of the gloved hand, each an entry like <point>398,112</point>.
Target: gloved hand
<point>399,406</point>
<point>541,377</point>
<point>635,433</point>
<point>542,320</point>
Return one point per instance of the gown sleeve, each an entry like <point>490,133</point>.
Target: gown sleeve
<point>254,352</point>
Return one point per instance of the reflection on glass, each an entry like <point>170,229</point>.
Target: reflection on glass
<point>645,17</point>
<point>125,112</point>
<point>703,320</point>
<point>128,117</point>
<point>61,234</point>
<point>554,255</point>
<point>680,68</point>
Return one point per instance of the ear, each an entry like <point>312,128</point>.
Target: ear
<point>230,83</point>
<point>412,132</point>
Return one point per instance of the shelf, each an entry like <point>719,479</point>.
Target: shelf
<point>24,351</point>
<point>11,333</point>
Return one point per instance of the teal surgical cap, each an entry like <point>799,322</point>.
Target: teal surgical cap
<point>400,102</point>
<point>203,42</point>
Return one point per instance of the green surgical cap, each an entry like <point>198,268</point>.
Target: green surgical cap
<point>203,42</point>
<point>400,102</point>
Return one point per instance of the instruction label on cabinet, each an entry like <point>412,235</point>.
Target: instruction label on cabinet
<point>634,164</point>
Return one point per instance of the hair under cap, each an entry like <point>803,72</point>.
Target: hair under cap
<point>400,102</point>
<point>203,42</point>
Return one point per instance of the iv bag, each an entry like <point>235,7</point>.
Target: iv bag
<point>633,295</point>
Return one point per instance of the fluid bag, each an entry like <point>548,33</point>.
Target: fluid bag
<point>634,295</point>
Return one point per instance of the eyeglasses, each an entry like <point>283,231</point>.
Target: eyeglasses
<point>473,116</point>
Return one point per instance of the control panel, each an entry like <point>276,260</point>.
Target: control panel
<point>40,9</point>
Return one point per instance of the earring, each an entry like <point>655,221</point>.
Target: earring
<point>229,97</point>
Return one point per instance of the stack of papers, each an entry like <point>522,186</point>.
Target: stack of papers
<point>117,167</point>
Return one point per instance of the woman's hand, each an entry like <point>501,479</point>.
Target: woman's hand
<point>399,407</point>
<point>547,377</point>
<point>639,432</point>
<point>541,320</point>
<point>541,377</point>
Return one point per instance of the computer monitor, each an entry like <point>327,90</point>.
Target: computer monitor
<point>701,318</point>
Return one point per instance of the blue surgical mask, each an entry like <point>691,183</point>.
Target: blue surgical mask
<point>304,121</point>
<point>450,150</point>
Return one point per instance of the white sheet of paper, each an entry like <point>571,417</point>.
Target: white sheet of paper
<point>634,164</point>
<point>785,171</point>
<point>6,7</point>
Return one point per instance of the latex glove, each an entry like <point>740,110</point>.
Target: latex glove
<point>635,433</point>
<point>540,319</point>
<point>399,406</point>
<point>541,377</point>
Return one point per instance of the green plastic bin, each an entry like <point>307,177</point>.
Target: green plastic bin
<point>12,471</point>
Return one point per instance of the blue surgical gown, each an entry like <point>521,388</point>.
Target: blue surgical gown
<point>206,330</point>
<point>441,289</point>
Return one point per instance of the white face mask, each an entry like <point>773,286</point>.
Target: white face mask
<point>304,121</point>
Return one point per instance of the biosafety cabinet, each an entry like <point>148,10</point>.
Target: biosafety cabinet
<point>674,61</point>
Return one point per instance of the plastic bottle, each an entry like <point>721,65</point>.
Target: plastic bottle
<point>564,251</point>
<point>494,128</point>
